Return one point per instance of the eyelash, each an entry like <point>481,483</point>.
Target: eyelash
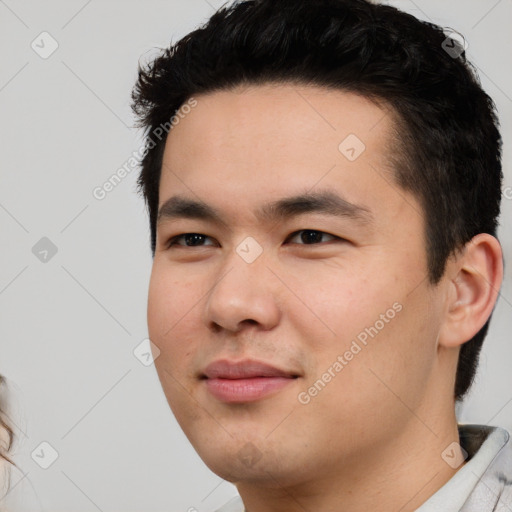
<point>171,242</point>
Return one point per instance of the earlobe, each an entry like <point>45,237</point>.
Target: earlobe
<point>474,288</point>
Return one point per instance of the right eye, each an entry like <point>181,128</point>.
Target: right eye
<point>190,239</point>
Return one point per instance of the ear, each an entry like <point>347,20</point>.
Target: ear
<point>474,280</point>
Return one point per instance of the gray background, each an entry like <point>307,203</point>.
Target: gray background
<point>69,325</point>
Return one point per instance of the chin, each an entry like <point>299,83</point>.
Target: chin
<point>240,460</point>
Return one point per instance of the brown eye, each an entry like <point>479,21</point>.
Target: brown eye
<point>311,237</point>
<point>190,240</point>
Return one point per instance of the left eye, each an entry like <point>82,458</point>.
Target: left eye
<point>310,236</point>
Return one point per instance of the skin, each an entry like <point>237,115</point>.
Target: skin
<point>373,437</point>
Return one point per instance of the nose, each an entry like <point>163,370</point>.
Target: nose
<point>243,294</point>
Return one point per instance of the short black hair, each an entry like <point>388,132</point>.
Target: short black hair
<point>446,128</point>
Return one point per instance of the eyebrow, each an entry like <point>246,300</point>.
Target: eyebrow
<point>324,201</point>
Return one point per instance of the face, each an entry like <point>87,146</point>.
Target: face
<point>292,310</point>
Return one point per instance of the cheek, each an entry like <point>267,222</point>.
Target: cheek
<point>170,326</point>
<point>170,306</point>
<point>334,304</point>
<point>170,296</point>
<point>373,318</point>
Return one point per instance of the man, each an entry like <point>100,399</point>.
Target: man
<point>323,215</point>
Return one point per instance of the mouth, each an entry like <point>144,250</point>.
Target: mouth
<point>244,381</point>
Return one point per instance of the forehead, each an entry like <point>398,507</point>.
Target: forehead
<point>271,114</point>
<point>261,143</point>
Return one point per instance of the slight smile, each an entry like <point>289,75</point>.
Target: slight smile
<point>244,381</point>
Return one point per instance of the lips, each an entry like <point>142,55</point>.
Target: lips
<point>225,369</point>
<point>244,381</point>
